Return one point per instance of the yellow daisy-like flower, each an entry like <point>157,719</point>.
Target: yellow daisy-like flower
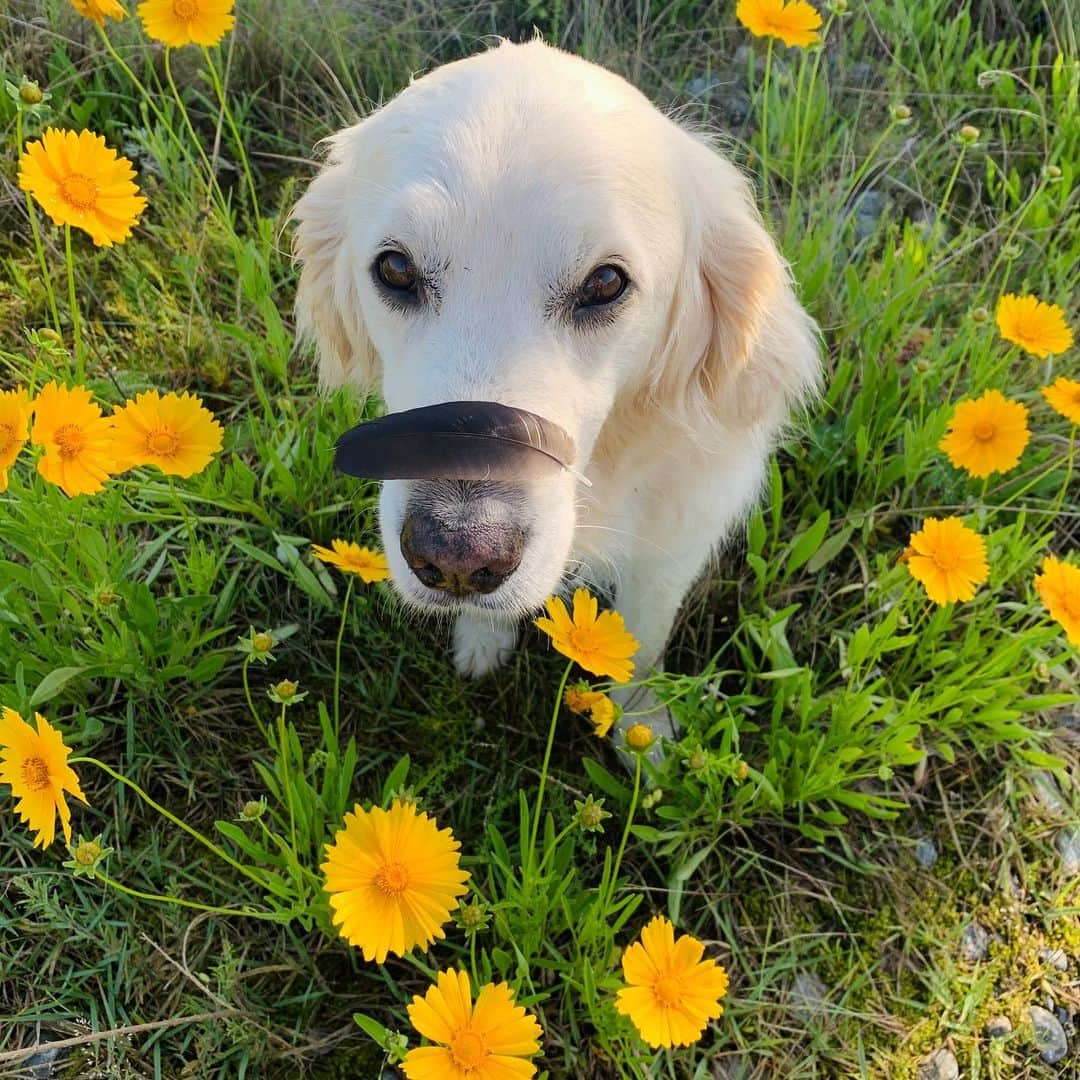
<point>394,878</point>
<point>600,644</point>
<point>353,559</point>
<point>177,433</point>
<point>187,22</point>
<point>599,708</point>
<point>1059,588</point>
<point>34,764</point>
<point>987,434</point>
<point>794,22</point>
<point>1062,394</point>
<point>99,10</point>
<point>78,440</point>
<point>948,558</point>
<point>1037,327</point>
<point>672,992</point>
<point>79,181</point>
<point>15,412</point>
<point>491,1040</point>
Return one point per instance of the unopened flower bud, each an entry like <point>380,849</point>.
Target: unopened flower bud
<point>901,114</point>
<point>968,134</point>
<point>30,93</point>
<point>697,760</point>
<point>88,853</point>
<point>639,737</point>
<point>742,771</point>
<point>252,810</point>
<point>980,315</point>
<point>262,642</point>
<point>1053,173</point>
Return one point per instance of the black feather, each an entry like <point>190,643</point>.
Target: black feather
<point>455,440</point>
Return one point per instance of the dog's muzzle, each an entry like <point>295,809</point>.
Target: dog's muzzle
<point>462,546</point>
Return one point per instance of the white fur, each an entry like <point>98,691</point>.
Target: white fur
<point>506,172</point>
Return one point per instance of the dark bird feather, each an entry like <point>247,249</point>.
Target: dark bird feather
<point>455,440</point>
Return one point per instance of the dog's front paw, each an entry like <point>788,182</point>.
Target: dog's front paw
<point>481,645</point>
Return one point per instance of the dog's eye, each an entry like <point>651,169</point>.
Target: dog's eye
<point>603,286</point>
<point>396,271</point>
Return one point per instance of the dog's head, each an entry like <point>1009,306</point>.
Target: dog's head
<point>524,227</point>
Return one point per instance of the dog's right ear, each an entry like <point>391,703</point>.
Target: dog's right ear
<point>328,308</point>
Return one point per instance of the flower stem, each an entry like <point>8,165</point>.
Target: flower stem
<point>211,176</point>
<point>286,787</point>
<point>209,844</point>
<point>163,899</point>
<point>76,328</point>
<point>944,205</point>
<point>146,95</point>
<point>39,248</point>
<point>615,866</point>
<point>765,132</point>
<point>528,857</point>
<point>251,704</point>
<point>337,664</point>
<point>227,113</point>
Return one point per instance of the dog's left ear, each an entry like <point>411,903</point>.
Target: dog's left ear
<point>740,350</point>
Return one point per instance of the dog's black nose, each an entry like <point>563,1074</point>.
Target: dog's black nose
<point>476,558</point>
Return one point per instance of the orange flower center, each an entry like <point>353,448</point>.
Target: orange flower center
<point>392,879</point>
<point>162,442</point>
<point>668,990</point>
<point>71,440</point>
<point>467,1049</point>
<point>35,774</point>
<point>581,639</point>
<point>946,560</point>
<point>984,431</point>
<point>185,10</point>
<point>8,438</point>
<point>78,191</point>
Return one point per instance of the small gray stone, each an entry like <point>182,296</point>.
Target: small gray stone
<point>940,1065</point>
<point>998,1027</point>
<point>926,853</point>
<point>808,993</point>
<point>1056,958</point>
<point>868,210</point>
<point>974,942</point>
<point>1049,1035</point>
<point>1067,842</point>
<point>703,87</point>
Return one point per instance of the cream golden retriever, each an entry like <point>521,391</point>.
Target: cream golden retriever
<point>524,227</point>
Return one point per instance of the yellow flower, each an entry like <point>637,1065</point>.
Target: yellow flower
<point>77,439</point>
<point>1038,328</point>
<point>672,992</point>
<point>600,644</point>
<point>351,558</point>
<point>599,707</point>
<point>35,764</point>
<point>394,878</point>
<point>187,22</point>
<point>98,10</point>
<point>1062,394</point>
<point>948,558</point>
<point>987,434</point>
<point>639,737</point>
<point>794,22</point>
<point>491,1040</point>
<point>1059,587</point>
<point>79,181</point>
<point>15,412</point>
<point>177,433</point>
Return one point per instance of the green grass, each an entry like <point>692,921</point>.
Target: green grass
<point>833,718</point>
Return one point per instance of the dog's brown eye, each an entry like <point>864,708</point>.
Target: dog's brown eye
<point>603,285</point>
<point>396,271</point>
